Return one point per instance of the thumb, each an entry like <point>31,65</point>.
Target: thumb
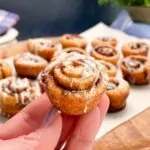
<point>46,138</point>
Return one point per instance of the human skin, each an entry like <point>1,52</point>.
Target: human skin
<point>33,129</point>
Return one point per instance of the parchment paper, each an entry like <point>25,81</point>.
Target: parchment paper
<point>139,98</point>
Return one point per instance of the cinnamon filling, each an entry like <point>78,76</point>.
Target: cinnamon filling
<point>70,50</point>
<point>138,46</point>
<point>112,85</point>
<point>105,50</point>
<point>45,43</point>
<point>106,66</point>
<point>133,64</point>
<point>104,39</point>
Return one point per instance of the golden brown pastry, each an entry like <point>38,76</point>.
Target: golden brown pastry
<point>110,68</point>
<point>117,91</point>
<point>135,48</point>
<point>110,41</point>
<point>73,40</point>
<point>74,83</point>
<point>106,53</point>
<point>70,50</point>
<point>5,69</point>
<point>29,65</point>
<point>16,93</point>
<point>136,69</point>
<point>44,47</point>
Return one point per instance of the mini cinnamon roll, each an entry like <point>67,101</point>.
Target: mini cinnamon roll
<point>29,65</point>
<point>5,70</point>
<point>16,93</point>
<point>117,91</point>
<point>73,40</point>
<point>136,69</point>
<point>106,53</point>
<point>74,83</point>
<point>104,41</point>
<point>135,48</point>
<point>70,50</point>
<point>44,47</point>
<point>110,68</point>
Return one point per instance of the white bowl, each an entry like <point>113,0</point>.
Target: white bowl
<point>10,35</point>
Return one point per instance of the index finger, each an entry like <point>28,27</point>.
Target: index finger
<point>28,120</point>
<point>87,127</point>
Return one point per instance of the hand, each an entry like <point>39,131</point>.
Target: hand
<point>28,130</point>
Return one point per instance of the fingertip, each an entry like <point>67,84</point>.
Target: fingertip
<point>105,99</point>
<point>104,102</point>
<point>103,106</point>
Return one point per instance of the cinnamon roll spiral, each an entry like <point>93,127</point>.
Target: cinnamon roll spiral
<point>110,68</point>
<point>29,65</point>
<point>136,69</point>
<point>106,53</point>
<point>74,83</point>
<point>70,50</point>
<point>117,91</point>
<point>107,41</point>
<point>44,47</point>
<point>135,48</point>
<point>15,93</point>
<point>73,40</point>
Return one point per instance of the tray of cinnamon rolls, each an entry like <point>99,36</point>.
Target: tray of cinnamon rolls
<point>75,71</point>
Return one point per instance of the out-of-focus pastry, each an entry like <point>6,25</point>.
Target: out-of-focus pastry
<point>110,41</point>
<point>5,69</point>
<point>73,40</point>
<point>74,83</point>
<point>136,69</point>
<point>135,48</point>
<point>117,91</point>
<point>29,65</point>
<point>16,93</point>
<point>70,50</point>
<point>106,53</point>
<point>44,47</point>
<point>110,68</point>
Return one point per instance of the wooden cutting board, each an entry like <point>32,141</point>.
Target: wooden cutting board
<point>131,135</point>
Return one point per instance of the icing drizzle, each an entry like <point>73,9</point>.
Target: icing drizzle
<point>133,64</point>
<point>24,90</point>
<point>30,58</point>
<point>91,67</point>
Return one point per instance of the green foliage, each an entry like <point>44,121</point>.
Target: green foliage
<point>145,3</point>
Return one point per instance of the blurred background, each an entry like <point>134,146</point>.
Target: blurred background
<point>55,17</point>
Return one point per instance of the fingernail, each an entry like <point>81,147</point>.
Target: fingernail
<point>50,117</point>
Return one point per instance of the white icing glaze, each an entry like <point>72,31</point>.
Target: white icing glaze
<point>130,62</point>
<point>29,58</point>
<point>45,44</point>
<point>91,67</point>
<point>20,88</point>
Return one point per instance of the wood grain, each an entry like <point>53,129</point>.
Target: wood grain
<point>132,135</point>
